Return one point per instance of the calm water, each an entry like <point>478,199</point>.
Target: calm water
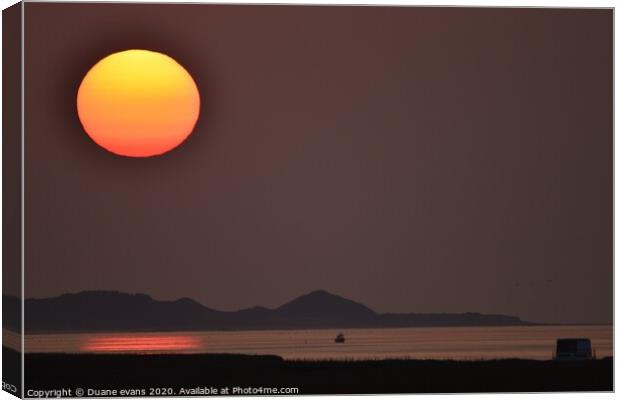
<point>421,343</point>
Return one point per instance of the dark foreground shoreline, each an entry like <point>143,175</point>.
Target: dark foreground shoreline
<point>197,372</point>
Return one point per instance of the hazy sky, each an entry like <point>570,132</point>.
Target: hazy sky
<point>413,159</point>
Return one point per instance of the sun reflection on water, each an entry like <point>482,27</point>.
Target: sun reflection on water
<point>132,343</point>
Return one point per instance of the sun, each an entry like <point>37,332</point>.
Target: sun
<point>138,103</point>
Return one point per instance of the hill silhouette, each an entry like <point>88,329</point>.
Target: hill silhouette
<point>96,311</point>
<point>320,308</point>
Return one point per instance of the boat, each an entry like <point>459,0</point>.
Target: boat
<point>339,338</point>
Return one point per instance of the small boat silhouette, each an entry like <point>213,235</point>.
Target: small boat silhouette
<point>339,338</point>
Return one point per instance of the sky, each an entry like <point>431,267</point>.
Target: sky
<point>412,159</point>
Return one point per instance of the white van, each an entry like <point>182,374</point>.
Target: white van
<point>573,349</point>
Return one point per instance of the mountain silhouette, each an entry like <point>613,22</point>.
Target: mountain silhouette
<point>98,311</point>
<point>323,309</point>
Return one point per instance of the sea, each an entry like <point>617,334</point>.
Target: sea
<point>457,343</point>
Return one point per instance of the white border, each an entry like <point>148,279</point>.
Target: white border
<point>23,191</point>
<point>452,3</point>
<point>428,3</point>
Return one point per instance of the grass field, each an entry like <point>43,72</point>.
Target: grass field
<point>174,372</point>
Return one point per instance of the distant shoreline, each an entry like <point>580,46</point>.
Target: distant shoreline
<point>529,325</point>
<point>112,311</point>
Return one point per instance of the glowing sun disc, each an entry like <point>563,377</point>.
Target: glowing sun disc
<point>138,103</point>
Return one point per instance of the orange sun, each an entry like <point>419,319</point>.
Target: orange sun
<point>138,103</point>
